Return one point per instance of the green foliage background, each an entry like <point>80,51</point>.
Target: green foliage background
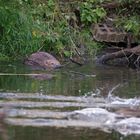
<point>27,26</point>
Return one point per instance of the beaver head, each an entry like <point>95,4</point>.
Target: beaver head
<point>52,63</point>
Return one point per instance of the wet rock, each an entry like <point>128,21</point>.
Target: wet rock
<point>42,60</point>
<point>107,33</point>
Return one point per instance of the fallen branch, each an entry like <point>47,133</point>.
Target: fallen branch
<point>129,53</point>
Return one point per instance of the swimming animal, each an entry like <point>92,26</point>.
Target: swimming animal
<point>42,60</point>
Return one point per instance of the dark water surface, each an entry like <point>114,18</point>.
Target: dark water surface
<point>66,92</point>
<point>30,133</point>
<point>72,80</point>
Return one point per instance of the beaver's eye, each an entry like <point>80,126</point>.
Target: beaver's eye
<point>52,63</point>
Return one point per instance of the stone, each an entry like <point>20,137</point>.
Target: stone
<point>106,33</point>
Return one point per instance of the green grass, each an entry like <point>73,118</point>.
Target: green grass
<point>27,26</point>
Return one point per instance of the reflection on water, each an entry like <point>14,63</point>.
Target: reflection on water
<point>68,81</point>
<point>75,87</point>
<point>106,114</point>
<point>51,133</point>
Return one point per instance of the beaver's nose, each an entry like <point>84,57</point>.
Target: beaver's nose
<point>58,66</point>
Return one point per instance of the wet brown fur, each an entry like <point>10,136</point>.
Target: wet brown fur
<point>42,60</point>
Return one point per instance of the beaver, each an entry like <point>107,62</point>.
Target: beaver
<point>42,60</point>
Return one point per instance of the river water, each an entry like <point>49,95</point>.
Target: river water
<point>77,103</point>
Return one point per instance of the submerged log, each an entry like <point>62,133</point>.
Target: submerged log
<point>132,54</point>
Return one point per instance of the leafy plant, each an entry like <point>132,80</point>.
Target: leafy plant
<point>90,14</point>
<point>27,26</point>
<point>130,24</point>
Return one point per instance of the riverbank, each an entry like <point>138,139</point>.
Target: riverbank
<point>60,27</point>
